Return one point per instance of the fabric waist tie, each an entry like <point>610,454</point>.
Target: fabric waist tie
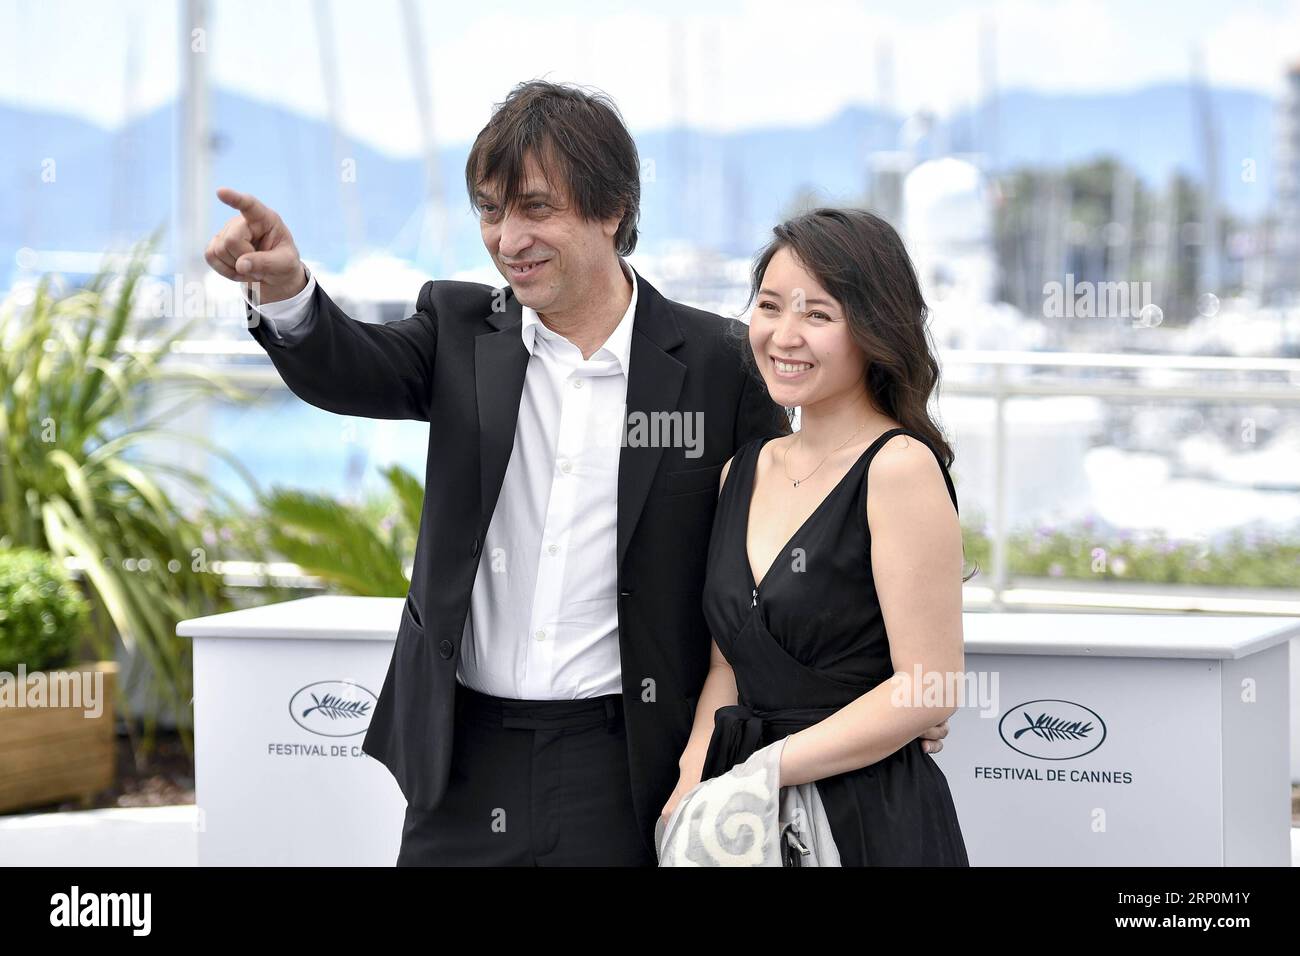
<point>740,730</point>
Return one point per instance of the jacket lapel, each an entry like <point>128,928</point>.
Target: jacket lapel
<point>654,383</point>
<point>500,361</point>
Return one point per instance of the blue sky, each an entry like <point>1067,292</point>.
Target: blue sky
<point>723,65</point>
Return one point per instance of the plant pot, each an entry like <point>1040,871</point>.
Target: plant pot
<point>56,749</point>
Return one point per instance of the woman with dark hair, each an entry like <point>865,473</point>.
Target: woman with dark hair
<point>833,589</point>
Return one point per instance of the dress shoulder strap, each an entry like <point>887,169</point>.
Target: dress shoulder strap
<point>742,460</point>
<point>879,443</point>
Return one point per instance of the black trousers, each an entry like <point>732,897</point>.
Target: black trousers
<point>533,783</point>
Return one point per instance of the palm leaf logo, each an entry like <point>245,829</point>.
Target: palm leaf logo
<point>1054,728</point>
<point>336,708</point>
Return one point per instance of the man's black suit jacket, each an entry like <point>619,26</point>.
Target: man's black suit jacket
<point>459,364</point>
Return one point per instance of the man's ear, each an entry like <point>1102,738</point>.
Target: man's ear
<point>611,225</point>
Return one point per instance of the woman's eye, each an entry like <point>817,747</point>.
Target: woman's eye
<point>767,305</point>
<point>819,315</point>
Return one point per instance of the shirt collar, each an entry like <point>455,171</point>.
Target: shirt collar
<point>619,343</point>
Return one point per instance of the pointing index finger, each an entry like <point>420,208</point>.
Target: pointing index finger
<point>248,205</point>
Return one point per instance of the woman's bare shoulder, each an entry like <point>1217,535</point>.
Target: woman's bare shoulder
<point>904,472</point>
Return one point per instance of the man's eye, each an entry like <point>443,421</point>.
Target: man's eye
<point>537,205</point>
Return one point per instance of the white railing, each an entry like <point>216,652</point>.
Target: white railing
<point>1002,389</point>
<point>1151,376</point>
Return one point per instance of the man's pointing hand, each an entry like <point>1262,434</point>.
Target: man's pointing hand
<point>256,246</point>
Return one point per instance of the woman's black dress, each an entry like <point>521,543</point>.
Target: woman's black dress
<point>806,641</point>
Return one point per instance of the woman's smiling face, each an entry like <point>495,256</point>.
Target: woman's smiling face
<point>801,338</point>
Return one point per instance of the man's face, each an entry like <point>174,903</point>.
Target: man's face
<point>548,253</point>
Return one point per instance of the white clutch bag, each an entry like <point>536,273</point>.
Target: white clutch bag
<point>743,818</point>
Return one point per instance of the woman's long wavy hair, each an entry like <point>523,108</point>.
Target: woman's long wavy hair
<point>859,259</point>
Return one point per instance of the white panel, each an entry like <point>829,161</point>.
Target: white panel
<point>271,791</point>
<point>1256,791</point>
<point>1161,734</point>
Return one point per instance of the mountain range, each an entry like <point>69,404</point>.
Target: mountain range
<point>68,184</point>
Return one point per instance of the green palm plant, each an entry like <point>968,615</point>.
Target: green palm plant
<point>80,402</point>
<point>358,549</point>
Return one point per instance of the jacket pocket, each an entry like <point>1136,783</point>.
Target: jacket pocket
<point>692,480</point>
<point>412,612</point>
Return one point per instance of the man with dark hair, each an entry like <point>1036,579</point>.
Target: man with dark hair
<point>553,645</point>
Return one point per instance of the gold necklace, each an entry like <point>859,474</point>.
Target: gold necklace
<point>785,459</point>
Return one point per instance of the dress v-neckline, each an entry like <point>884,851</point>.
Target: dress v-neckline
<point>749,506</point>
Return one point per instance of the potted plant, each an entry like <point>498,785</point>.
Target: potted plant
<point>89,391</point>
<point>56,715</point>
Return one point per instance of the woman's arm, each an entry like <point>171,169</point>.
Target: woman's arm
<point>719,690</point>
<point>916,560</point>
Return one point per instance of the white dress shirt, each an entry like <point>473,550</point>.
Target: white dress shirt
<point>285,318</point>
<point>543,620</point>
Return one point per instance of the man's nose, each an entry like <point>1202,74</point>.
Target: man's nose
<point>515,236</point>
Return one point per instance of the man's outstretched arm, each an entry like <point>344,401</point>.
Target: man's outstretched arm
<point>327,358</point>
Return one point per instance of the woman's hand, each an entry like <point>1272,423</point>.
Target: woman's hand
<point>932,739</point>
<point>685,784</point>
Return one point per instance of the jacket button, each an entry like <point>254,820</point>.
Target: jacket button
<point>474,548</point>
<point>446,649</point>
